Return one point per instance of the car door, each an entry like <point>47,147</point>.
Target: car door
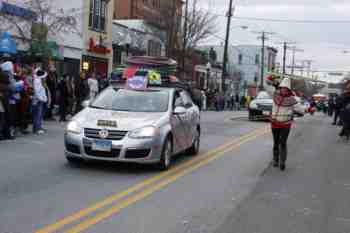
<point>190,118</point>
<point>178,124</point>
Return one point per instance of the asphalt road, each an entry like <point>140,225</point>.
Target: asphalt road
<point>312,196</point>
<point>41,192</point>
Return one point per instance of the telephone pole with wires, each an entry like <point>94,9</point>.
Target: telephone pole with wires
<point>294,50</point>
<point>224,64</point>
<point>285,48</point>
<point>263,38</point>
<point>184,40</point>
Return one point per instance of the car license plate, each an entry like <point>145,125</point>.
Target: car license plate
<point>266,113</point>
<point>102,145</point>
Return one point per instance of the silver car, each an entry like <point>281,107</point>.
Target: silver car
<point>148,126</point>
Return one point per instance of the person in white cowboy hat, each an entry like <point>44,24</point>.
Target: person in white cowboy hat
<point>39,100</point>
<point>281,121</point>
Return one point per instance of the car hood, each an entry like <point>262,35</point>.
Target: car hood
<point>126,121</point>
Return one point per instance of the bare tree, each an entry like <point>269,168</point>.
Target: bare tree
<point>47,18</point>
<point>200,25</point>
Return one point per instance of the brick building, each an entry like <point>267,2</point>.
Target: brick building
<point>149,10</point>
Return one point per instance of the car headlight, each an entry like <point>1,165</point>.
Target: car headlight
<point>73,127</point>
<point>253,105</point>
<point>145,132</point>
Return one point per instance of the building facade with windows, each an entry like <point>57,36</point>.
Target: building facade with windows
<point>244,65</point>
<point>97,53</point>
<point>136,9</point>
<point>89,50</point>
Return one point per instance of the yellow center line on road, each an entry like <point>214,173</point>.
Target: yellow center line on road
<point>118,196</point>
<point>147,192</point>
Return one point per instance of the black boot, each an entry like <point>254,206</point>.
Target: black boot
<point>283,166</point>
<point>275,163</point>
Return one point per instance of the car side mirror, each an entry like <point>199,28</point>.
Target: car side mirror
<point>179,110</point>
<point>85,103</point>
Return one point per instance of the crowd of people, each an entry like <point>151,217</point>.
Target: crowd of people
<point>29,95</point>
<point>218,101</point>
<point>339,108</point>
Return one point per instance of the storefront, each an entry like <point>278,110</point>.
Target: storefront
<point>91,64</point>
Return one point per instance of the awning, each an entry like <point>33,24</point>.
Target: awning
<point>7,44</point>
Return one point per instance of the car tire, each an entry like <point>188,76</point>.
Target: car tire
<point>194,149</point>
<point>73,160</point>
<point>167,151</point>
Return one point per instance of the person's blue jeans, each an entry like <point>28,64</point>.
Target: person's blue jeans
<point>38,111</point>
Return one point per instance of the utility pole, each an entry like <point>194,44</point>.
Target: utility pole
<point>263,38</point>
<point>262,68</point>
<point>284,56</point>
<point>224,65</point>
<point>308,62</point>
<point>184,40</point>
<point>294,49</point>
<point>285,48</point>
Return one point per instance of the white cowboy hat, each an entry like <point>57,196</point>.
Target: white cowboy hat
<point>7,67</point>
<point>286,82</point>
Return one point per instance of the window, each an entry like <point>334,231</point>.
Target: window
<point>257,58</point>
<point>98,15</point>
<point>240,59</point>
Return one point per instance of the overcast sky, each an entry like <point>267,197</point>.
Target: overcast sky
<point>323,43</point>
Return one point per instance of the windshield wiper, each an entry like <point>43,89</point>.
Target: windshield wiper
<point>96,107</point>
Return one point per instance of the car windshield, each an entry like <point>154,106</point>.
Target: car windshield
<point>263,95</point>
<point>132,101</point>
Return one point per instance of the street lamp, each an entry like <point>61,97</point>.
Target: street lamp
<point>208,67</point>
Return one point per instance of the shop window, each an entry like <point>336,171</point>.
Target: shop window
<point>98,15</point>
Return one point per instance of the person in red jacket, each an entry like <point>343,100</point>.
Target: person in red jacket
<point>281,121</point>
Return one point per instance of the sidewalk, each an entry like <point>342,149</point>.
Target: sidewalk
<point>311,196</point>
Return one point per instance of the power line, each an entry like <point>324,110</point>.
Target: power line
<point>294,20</point>
<point>307,21</point>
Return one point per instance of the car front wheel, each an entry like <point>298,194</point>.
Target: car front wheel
<point>165,160</point>
<point>194,149</point>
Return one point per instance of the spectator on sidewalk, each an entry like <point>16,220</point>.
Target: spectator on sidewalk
<point>63,97</point>
<point>93,86</point>
<point>345,115</point>
<point>204,101</point>
<point>237,103</point>
<point>243,101</point>
<point>4,93</point>
<point>9,101</point>
<point>281,121</point>
<point>52,87</point>
<point>337,109</point>
<point>81,90</point>
<point>39,100</point>
<point>24,102</point>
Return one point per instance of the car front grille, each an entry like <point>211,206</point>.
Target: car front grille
<point>263,107</point>
<point>112,134</point>
<point>137,153</point>
<point>114,153</point>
